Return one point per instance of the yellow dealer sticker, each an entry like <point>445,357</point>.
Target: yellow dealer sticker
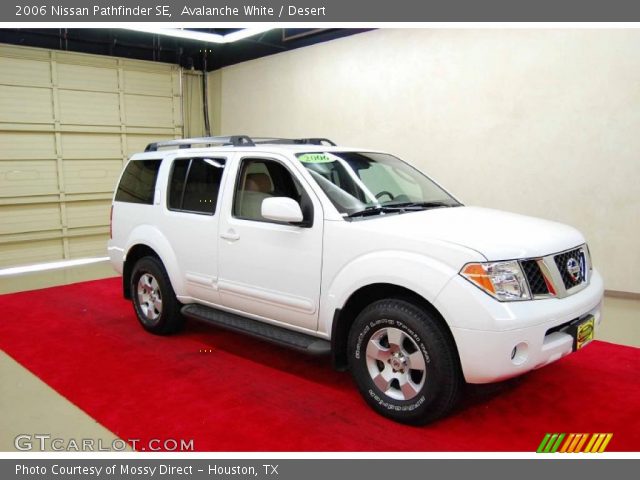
<point>584,335</point>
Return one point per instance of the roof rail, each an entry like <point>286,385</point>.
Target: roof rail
<point>294,141</point>
<point>236,141</point>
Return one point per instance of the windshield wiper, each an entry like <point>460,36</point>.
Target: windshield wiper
<point>399,208</point>
<point>374,210</point>
<point>420,205</point>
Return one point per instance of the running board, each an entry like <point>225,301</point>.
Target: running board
<point>271,333</point>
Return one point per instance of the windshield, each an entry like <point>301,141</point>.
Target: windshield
<point>358,182</point>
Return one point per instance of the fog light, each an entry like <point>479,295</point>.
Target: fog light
<point>520,353</point>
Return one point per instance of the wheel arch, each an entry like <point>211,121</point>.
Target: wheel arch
<point>134,254</point>
<point>344,317</point>
<point>149,240</point>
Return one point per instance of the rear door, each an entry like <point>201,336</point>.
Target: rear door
<point>266,268</point>
<point>191,211</point>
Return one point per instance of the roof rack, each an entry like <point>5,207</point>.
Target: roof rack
<point>294,141</point>
<point>236,141</point>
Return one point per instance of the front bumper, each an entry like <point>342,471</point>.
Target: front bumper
<point>487,331</point>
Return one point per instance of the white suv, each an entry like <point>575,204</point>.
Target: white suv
<point>351,253</point>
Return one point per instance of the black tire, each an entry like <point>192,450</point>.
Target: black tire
<point>398,334</point>
<point>160,318</point>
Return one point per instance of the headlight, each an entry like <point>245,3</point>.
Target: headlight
<point>504,281</point>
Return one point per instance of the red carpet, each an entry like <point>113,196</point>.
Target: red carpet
<point>84,341</point>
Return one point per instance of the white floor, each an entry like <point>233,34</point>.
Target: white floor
<point>30,407</point>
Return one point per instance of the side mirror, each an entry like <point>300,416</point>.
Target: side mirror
<point>281,209</point>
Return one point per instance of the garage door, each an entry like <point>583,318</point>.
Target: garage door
<point>68,122</point>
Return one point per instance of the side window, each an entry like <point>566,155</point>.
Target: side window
<point>259,179</point>
<point>194,185</point>
<point>138,182</point>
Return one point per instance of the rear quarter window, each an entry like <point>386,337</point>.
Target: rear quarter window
<point>138,182</point>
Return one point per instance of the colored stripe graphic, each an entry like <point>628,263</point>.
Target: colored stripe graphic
<point>567,442</point>
<point>574,443</point>
<point>579,438</point>
<point>599,440</point>
<point>557,444</point>
<point>601,443</point>
<point>581,443</point>
<point>550,443</point>
<point>543,443</point>
<point>591,442</point>
<point>608,438</point>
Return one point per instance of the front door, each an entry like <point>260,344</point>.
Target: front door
<point>267,268</point>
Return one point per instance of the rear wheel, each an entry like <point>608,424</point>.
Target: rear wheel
<point>154,300</point>
<point>403,362</point>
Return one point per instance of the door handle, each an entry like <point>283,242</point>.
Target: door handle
<point>230,235</point>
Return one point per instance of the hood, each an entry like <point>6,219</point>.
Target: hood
<point>497,235</point>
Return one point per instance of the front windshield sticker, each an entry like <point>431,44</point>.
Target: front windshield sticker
<point>315,158</point>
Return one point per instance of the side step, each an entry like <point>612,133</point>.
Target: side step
<point>271,333</point>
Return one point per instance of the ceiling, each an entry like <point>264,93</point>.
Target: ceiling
<point>160,48</point>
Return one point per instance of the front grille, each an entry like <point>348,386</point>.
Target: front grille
<point>534,276</point>
<point>572,268</point>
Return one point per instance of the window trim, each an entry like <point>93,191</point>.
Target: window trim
<point>303,224</point>
<point>184,186</point>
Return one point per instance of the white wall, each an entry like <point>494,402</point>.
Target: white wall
<point>543,122</point>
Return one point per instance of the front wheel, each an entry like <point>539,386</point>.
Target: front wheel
<point>154,300</point>
<point>404,362</point>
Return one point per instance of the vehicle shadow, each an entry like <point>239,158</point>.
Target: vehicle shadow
<point>318,369</point>
<point>478,394</point>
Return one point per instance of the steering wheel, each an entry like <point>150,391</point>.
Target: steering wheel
<point>383,193</point>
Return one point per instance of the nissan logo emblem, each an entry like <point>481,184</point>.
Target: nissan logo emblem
<point>574,270</point>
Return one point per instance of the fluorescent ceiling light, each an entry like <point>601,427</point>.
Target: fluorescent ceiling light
<point>202,36</point>
<point>242,34</point>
